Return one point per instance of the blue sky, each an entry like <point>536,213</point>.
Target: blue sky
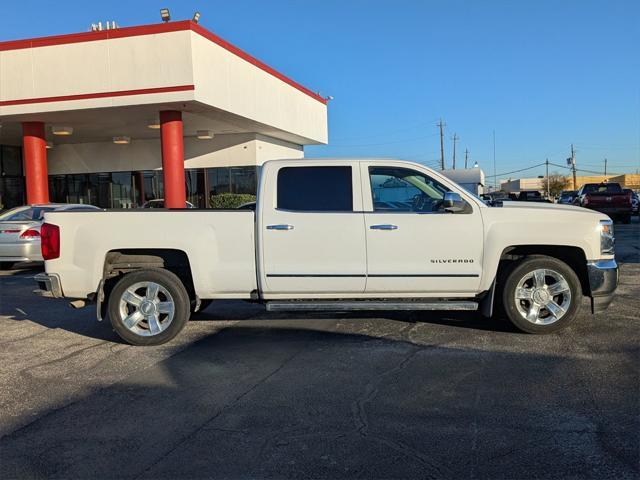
<point>542,74</point>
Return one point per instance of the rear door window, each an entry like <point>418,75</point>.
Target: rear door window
<point>315,189</point>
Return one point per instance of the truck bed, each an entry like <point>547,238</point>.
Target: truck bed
<point>220,245</point>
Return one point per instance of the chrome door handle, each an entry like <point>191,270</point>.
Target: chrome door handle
<point>279,227</point>
<point>385,226</point>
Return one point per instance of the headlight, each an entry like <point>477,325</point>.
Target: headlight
<point>607,240</point>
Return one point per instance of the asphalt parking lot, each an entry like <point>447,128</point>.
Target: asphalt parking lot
<point>246,394</point>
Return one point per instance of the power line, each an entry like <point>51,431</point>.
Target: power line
<point>406,140</point>
<point>521,170</point>
<point>610,174</point>
<point>386,132</point>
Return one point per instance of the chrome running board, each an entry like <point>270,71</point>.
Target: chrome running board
<point>348,306</point>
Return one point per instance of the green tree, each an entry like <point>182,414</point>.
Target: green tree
<point>229,200</point>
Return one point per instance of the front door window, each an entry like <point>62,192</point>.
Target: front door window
<point>404,190</point>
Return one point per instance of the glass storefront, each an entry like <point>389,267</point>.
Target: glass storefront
<point>133,189</point>
<point>12,188</point>
<point>223,187</point>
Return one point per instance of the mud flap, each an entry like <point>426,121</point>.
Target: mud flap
<point>486,304</point>
<point>99,301</point>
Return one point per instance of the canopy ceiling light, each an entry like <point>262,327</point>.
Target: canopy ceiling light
<point>49,145</point>
<point>165,15</point>
<point>122,140</point>
<point>154,124</point>
<point>60,130</point>
<point>204,134</point>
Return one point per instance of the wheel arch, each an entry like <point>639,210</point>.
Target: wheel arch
<point>119,262</point>
<point>574,257</point>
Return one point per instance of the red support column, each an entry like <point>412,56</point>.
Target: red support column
<point>34,151</point>
<point>172,159</point>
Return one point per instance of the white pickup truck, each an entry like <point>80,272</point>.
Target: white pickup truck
<point>334,235</point>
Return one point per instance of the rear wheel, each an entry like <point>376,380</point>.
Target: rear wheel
<point>6,265</point>
<point>149,307</point>
<point>541,294</point>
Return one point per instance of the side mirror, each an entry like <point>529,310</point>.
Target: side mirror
<point>453,202</point>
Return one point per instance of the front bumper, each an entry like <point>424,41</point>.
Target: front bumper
<point>603,281</point>
<point>48,285</point>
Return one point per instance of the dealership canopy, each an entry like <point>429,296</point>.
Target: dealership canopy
<point>96,93</point>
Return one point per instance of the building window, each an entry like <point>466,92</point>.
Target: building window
<point>12,187</point>
<point>10,161</point>
<point>195,187</point>
<point>226,187</point>
<point>11,192</point>
<point>231,187</point>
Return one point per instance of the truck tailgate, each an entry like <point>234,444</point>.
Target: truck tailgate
<point>609,199</point>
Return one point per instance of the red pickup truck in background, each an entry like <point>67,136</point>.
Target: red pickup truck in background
<point>607,198</point>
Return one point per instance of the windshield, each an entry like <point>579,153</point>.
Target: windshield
<point>25,214</point>
<point>604,187</point>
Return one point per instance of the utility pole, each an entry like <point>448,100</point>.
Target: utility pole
<point>605,167</point>
<point>548,187</point>
<point>573,167</point>
<point>466,157</point>
<point>495,179</point>
<point>441,125</point>
<point>455,138</point>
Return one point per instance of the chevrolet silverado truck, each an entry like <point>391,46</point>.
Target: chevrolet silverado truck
<point>334,235</point>
<point>608,198</point>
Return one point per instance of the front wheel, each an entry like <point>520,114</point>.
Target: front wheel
<point>149,307</point>
<point>541,294</point>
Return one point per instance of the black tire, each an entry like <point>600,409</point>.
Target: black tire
<point>6,265</point>
<point>512,307</point>
<point>167,281</point>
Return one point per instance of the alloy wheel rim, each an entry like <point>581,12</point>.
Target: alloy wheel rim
<point>542,296</point>
<point>146,308</point>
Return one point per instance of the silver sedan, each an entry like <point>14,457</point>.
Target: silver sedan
<point>20,231</point>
